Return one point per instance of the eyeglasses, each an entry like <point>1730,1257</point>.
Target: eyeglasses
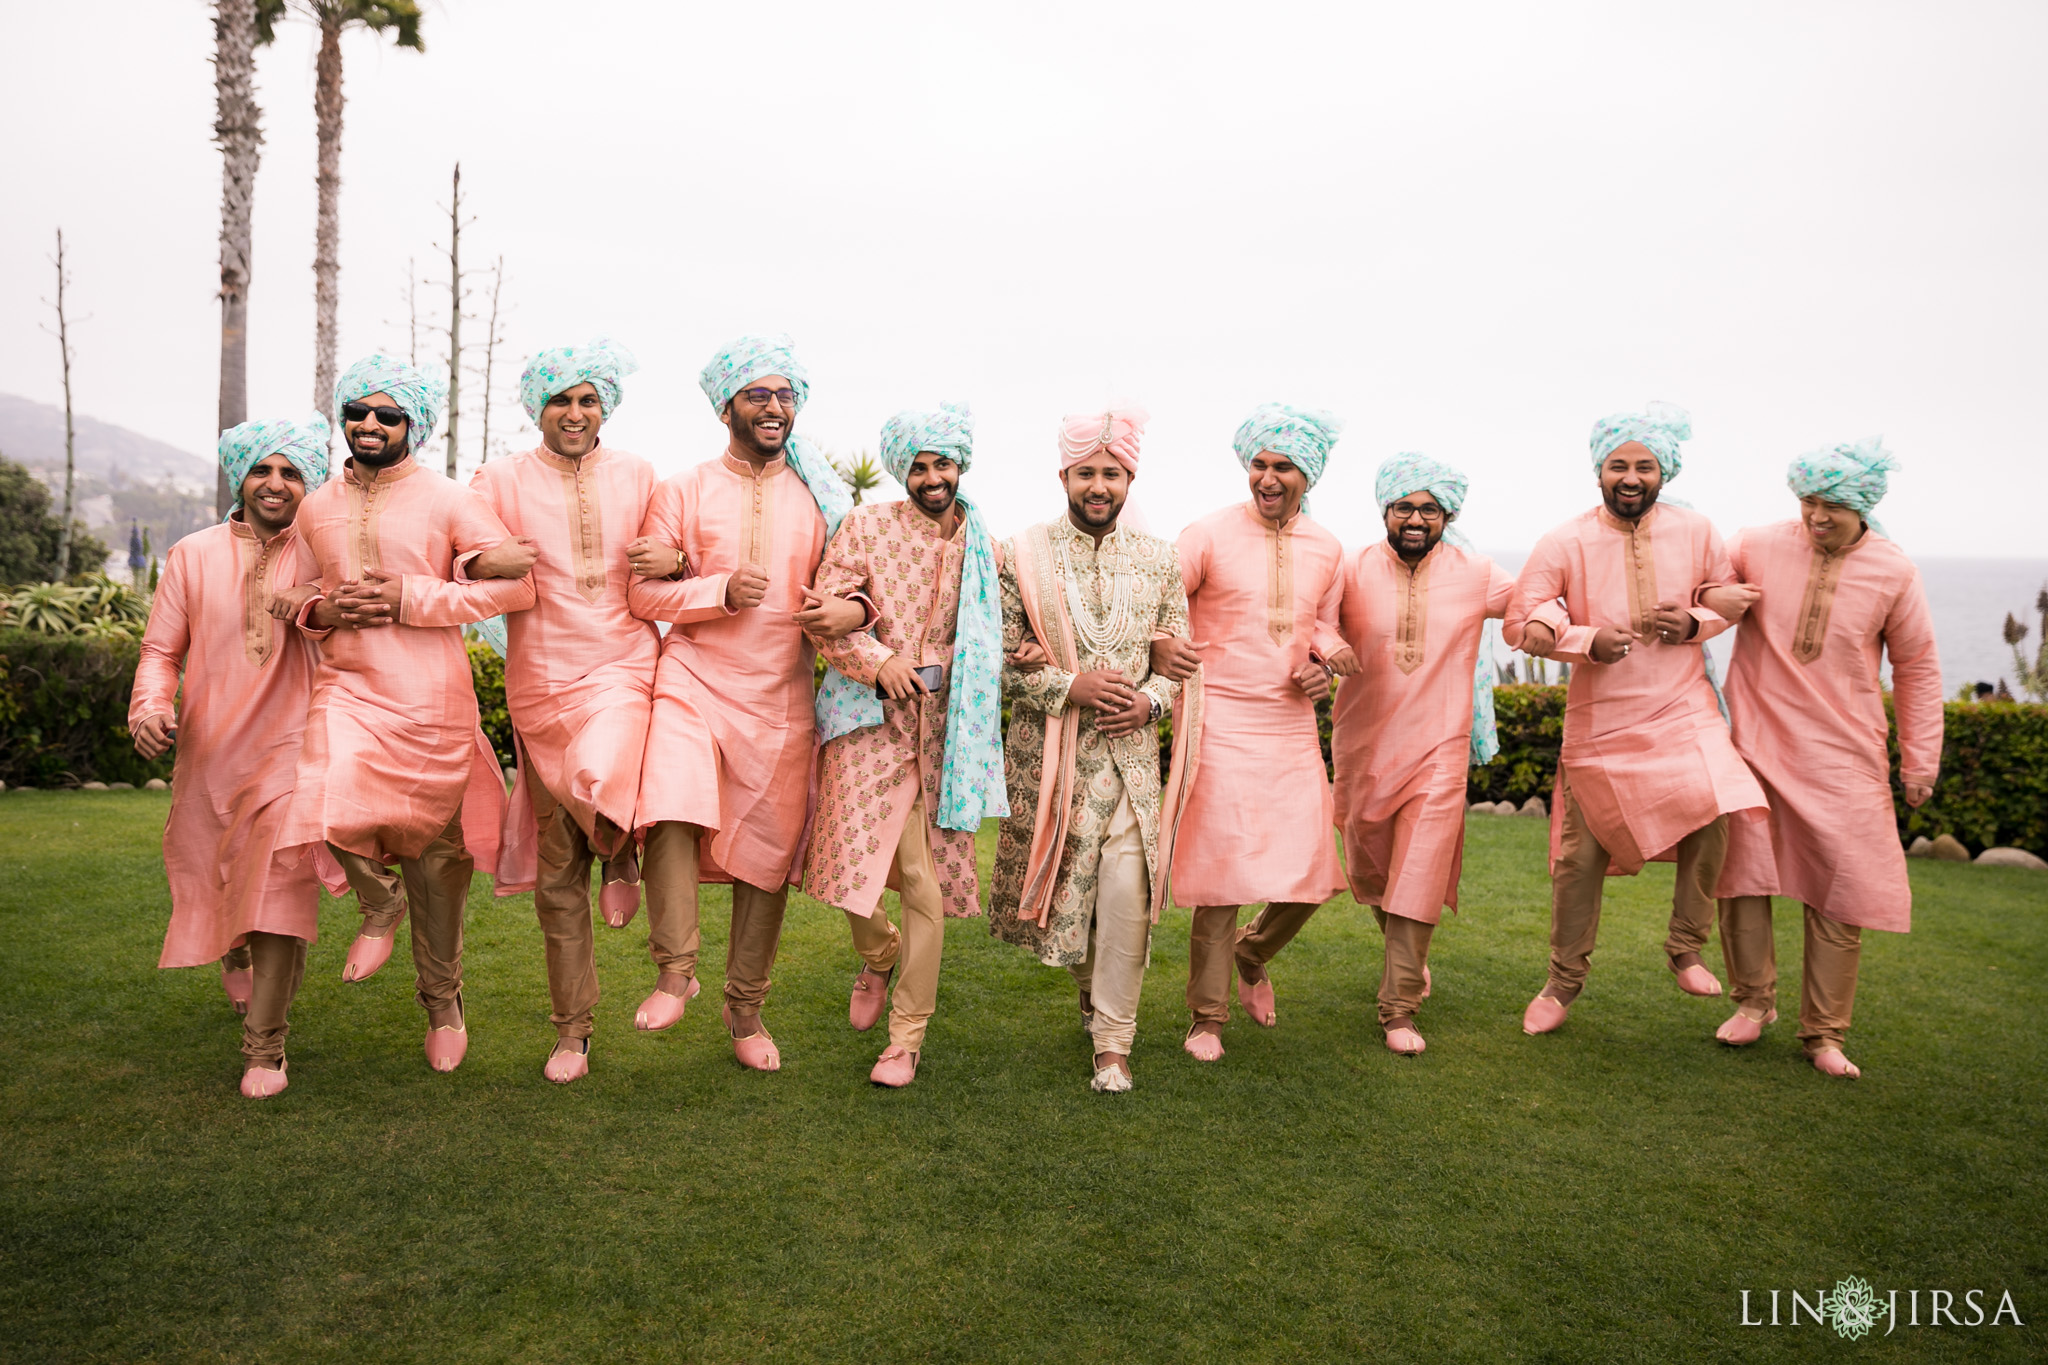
<point>390,417</point>
<point>1408,511</point>
<point>761,398</point>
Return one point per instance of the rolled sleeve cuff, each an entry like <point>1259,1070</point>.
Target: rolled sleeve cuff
<point>304,619</point>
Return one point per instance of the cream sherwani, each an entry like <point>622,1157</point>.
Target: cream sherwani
<point>1647,763</point>
<point>731,740</point>
<point>1077,860</point>
<point>1808,707</point>
<point>579,682</point>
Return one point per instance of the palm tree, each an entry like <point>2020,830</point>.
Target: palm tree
<point>238,127</point>
<point>861,473</point>
<point>400,18</point>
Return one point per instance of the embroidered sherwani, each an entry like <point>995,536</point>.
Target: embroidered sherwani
<point>868,780</point>
<point>1131,588</point>
<point>1401,731</point>
<point>1808,711</point>
<point>579,683</point>
<point>1257,824</point>
<point>247,679</point>
<point>393,751</point>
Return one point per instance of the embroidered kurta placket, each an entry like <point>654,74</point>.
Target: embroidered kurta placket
<point>1822,578</point>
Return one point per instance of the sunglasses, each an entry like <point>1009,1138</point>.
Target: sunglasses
<point>761,398</point>
<point>390,417</point>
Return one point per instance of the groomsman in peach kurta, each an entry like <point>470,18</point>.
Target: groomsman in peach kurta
<point>1263,581</point>
<point>1647,767</point>
<point>237,727</point>
<point>395,768</point>
<point>579,666</point>
<point>1418,608</point>
<point>1804,691</point>
<point>913,749</point>
<point>725,784</point>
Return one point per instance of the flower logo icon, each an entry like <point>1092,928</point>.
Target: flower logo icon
<point>1852,1309</point>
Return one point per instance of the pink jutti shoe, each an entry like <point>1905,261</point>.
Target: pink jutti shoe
<point>662,1009</point>
<point>260,1082</point>
<point>1543,1015</point>
<point>1829,1061</point>
<point>756,1051</point>
<point>1405,1041</point>
<point>619,902</point>
<point>1743,1027</point>
<point>1258,1001</point>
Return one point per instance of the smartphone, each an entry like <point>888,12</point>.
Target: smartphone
<point>931,675</point>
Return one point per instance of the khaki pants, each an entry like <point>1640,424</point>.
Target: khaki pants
<point>1119,933</point>
<point>561,902</point>
<point>669,868</point>
<point>434,888</point>
<point>1580,879</point>
<point>1401,974</point>
<point>914,952</point>
<point>277,963</point>
<point>236,959</point>
<point>1265,936</point>
<point>1827,985</point>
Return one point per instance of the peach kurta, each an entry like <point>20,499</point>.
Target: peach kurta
<point>1808,712</point>
<point>892,555</point>
<point>1646,753</point>
<point>392,748</point>
<point>1257,822</point>
<point>730,744</point>
<point>247,679</point>
<point>579,668</point>
<point>1401,734</point>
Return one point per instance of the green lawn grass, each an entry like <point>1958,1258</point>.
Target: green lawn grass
<point>1603,1193</point>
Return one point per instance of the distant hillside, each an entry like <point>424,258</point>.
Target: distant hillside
<point>124,479</point>
<point>32,434</point>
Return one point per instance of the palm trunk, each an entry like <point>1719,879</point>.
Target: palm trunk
<point>327,105</point>
<point>454,316</point>
<point>70,456</point>
<point>237,127</point>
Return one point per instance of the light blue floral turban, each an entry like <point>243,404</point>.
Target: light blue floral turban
<point>420,394</point>
<point>1660,427</point>
<point>1413,472</point>
<point>303,442</point>
<point>600,362</point>
<point>743,361</point>
<point>946,430</point>
<point>1856,476</point>
<point>1303,435</point>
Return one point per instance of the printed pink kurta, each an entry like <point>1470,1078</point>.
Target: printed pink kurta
<point>1646,753</point>
<point>1808,710</point>
<point>247,679</point>
<point>579,671</point>
<point>1256,826</point>
<point>392,747</point>
<point>892,555</point>
<point>730,744</point>
<point>1401,734</point>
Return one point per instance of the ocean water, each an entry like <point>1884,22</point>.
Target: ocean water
<point>1969,598</point>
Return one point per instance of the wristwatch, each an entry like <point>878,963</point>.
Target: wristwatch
<point>1157,709</point>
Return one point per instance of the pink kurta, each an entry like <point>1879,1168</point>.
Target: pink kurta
<point>392,748</point>
<point>1401,735</point>
<point>240,721</point>
<point>1256,826</point>
<point>730,744</point>
<point>1646,753</point>
<point>1808,709</point>
<point>890,554</point>
<point>579,671</point>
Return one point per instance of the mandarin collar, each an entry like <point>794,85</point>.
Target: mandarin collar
<point>746,470</point>
<point>1264,525</point>
<point>404,467</point>
<point>1387,548</point>
<point>911,516</point>
<point>567,465</point>
<point>1614,523</point>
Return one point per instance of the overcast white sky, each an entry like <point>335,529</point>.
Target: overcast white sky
<point>1470,229</point>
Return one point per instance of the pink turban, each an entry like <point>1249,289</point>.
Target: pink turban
<point>1117,431</point>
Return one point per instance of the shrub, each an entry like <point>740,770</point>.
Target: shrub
<point>64,711</point>
<point>487,672</point>
<point>1993,788</point>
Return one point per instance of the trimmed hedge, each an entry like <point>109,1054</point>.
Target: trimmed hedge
<point>64,720</point>
<point>64,711</point>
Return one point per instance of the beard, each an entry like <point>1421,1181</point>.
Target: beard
<point>1089,515</point>
<point>1612,497</point>
<point>1429,540</point>
<point>945,493</point>
<point>392,453</point>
